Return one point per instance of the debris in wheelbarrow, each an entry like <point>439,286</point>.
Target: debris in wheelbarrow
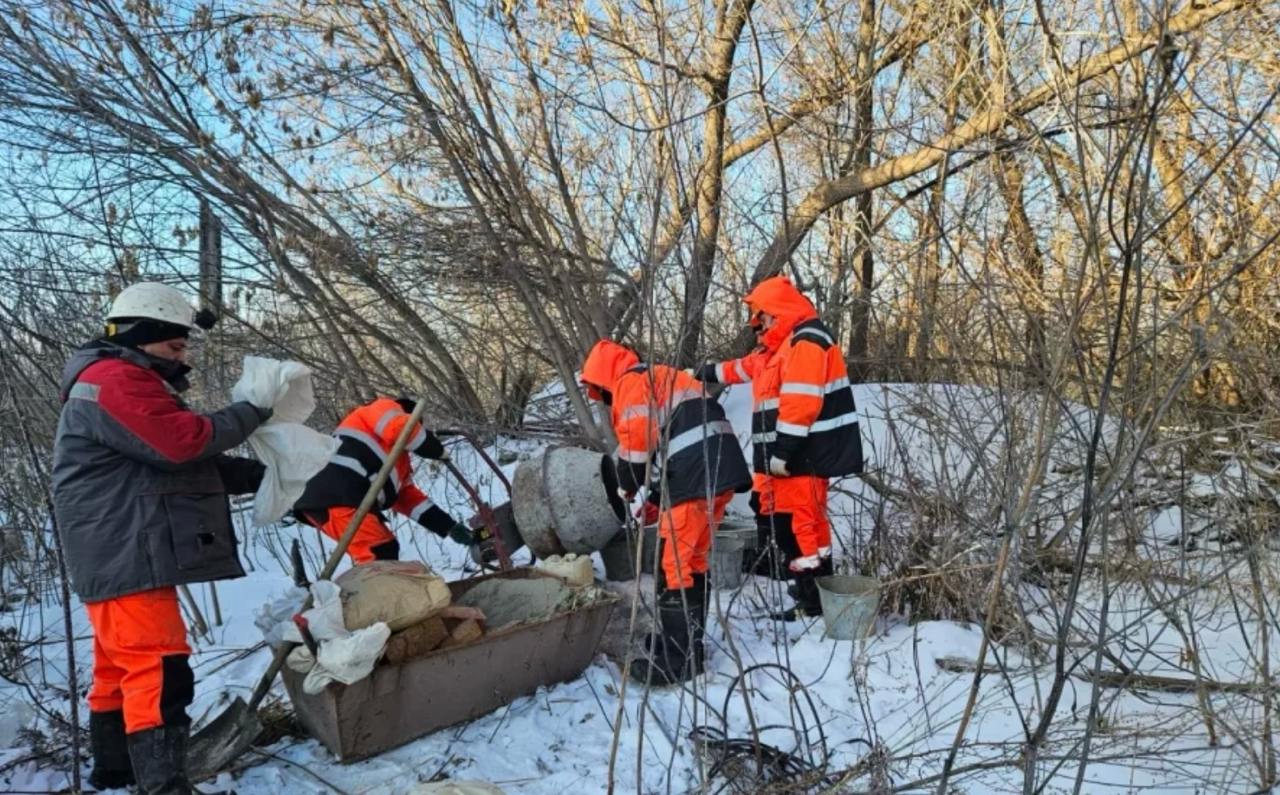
<point>540,632</point>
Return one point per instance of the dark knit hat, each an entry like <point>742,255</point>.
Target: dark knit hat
<point>135,332</point>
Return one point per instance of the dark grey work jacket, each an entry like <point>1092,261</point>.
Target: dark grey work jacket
<point>139,485</point>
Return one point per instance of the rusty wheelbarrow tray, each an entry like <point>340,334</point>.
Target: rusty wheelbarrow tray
<point>400,703</point>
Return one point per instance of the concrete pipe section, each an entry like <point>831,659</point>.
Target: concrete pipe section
<point>566,500</point>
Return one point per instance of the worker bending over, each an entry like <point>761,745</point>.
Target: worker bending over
<point>665,422</point>
<point>332,496</point>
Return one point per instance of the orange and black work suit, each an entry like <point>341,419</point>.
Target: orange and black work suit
<point>675,439</point>
<point>365,438</point>
<point>804,422</point>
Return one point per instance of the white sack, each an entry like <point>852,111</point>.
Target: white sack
<point>324,619</point>
<point>291,451</point>
<point>343,660</point>
<point>345,656</point>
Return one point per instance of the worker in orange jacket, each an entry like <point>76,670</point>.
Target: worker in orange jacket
<point>674,440</point>
<point>804,430</point>
<point>365,437</point>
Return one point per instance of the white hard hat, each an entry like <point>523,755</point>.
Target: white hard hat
<point>154,302</point>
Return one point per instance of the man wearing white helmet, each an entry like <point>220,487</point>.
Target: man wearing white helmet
<point>140,485</point>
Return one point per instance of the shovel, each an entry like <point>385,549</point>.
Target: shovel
<point>230,734</point>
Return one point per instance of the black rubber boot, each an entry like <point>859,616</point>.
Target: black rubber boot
<point>805,592</point>
<point>678,654</point>
<point>158,760</point>
<point>111,766</point>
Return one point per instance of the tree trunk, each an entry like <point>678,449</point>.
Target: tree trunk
<point>710,186</point>
<point>859,352</point>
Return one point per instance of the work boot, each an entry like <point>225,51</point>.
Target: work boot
<point>158,757</point>
<point>111,768</point>
<point>678,654</point>
<point>805,593</point>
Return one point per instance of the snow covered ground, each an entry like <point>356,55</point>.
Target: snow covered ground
<point>854,702</point>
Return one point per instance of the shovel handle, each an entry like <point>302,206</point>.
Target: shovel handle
<point>335,557</point>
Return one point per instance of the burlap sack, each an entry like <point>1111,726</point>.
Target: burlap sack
<point>400,593</point>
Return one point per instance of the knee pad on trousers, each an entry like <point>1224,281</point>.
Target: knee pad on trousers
<point>177,689</point>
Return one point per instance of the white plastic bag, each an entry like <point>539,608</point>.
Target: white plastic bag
<point>344,656</point>
<point>291,451</point>
<point>324,619</point>
<point>345,660</point>
<point>276,616</point>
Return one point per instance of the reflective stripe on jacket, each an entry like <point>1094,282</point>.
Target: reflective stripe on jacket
<point>139,485</point>
<point>803,407</point>
<point>365,438</point>
<point>663,416</point>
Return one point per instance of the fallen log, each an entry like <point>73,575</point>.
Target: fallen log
<point>1114,679</point>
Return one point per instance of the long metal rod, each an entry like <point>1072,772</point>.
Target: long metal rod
<point>486,516</point>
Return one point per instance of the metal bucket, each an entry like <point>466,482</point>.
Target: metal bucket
<point>619,555</point>
<point>399,703</point>
<point>566,500</point>
<point>732,537</point>
<point>725,564</point>
<point>849,605</point>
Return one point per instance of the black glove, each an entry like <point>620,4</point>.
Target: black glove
<point>264,414</point>
<point>431,447</point>
<point>462,534</point>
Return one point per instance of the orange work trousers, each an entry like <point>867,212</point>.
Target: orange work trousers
<point>140,659</point>
<point>804,497</point>
<point>686,529</point>
<point>373,539</point>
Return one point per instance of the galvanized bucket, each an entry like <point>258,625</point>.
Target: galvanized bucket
<point>731,539</point>
<point>849,605</point>
<point>619,555</point>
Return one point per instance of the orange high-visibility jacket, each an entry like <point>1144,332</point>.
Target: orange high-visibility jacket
<point>804,412</point>
<point>667,424</point>
<point>365,438</point>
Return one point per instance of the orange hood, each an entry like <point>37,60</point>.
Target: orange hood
<point>606,363</point>
<point>780,298</point>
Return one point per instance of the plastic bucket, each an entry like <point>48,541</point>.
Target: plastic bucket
<point>849,605</point>
<point>726,553</point>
